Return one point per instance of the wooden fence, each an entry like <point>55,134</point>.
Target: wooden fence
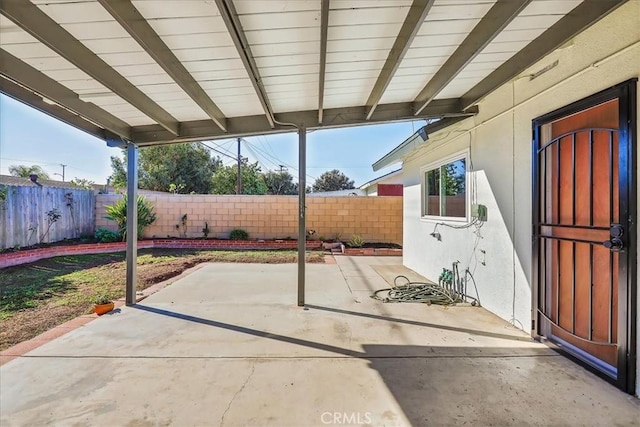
<point>26,211</point>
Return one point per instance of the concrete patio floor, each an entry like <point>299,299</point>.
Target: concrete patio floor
<point>226,345</point>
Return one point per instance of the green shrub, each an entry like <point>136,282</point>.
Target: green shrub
<point>238,234</point>
<point>103,235</point>
<point>356,241</point>
<point>118,213</point>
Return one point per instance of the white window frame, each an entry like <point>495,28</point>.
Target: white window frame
<point>460,155</point>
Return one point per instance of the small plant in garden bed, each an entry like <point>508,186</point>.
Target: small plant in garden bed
<point>86,238</point>
<point>238,234</point>
<point>52,217</point>
<point>103,235</point>
<point>183,224</point>
<point>102,304</point>
<point>205,230</point>
<point>356,241</point>
<point>101,299</point>
<point>33,229</point>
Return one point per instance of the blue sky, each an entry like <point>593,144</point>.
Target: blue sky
<point>28,136</point>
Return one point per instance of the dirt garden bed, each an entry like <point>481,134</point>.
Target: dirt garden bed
<point>27,255</point>
<point>13,257</point>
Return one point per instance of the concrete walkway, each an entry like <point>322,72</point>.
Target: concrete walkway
<point>226,345</point>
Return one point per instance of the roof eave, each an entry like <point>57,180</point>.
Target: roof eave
<point>414,142</point>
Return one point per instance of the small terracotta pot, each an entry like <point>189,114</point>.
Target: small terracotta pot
<point>101,309</point>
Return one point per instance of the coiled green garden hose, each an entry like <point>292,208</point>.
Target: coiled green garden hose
<point>428,293</point>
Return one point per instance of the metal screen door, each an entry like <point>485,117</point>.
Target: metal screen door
<point>583,232</point>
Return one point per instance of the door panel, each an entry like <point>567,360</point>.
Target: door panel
<point>583,287</point>
<point>579,194</point>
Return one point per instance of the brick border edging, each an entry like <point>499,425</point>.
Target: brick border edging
<point>11,259</point>
<point>372,252</point>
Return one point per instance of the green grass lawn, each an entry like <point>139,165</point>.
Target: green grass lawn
<point>38,296</point>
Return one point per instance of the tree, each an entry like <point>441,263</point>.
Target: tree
<point>119,171</point>
<point>225,179</point>
<point>82,183</point>
<point>332,181</point>
<point>280,182</point>
<point>454,178</point>
<point>180,168</point>
<point>24,171</point>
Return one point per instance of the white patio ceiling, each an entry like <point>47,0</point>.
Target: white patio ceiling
<point>152,71</point>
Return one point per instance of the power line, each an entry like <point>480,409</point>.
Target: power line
<point>219,152</point>
<point>277,160</point>
<point>266,140</point>
<point>30,161</point>
<point>274,157</point>
<point>280,162</point>
<point>224,147</point>
<point>80,170</point>
<point>274,161</point>
<point>260,162</point>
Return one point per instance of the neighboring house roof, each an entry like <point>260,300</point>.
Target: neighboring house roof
<point>380,178</point>
<point>413,142</point>
<point>26,182</point>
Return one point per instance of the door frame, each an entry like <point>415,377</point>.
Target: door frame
<point>626,93</point>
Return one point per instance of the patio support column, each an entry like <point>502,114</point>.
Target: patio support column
<point>302,226</point>
<point>132,222</point>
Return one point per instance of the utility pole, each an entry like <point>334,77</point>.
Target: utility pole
<point>62,174</point>
<point>239,185</point>
<point>283,168</point>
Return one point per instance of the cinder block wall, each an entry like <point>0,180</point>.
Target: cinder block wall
<point>376,219</point>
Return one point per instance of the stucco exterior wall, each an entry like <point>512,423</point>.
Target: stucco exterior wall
<point>499,142</point>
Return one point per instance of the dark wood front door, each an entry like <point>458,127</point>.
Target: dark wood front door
<point>584,231</point>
